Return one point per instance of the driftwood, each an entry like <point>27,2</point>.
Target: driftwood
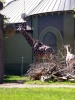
<point>51,71</point>
<point>56,71</point>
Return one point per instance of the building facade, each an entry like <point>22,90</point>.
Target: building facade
<point>53,28</point>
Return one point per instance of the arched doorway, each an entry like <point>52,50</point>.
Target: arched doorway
<point>50,40</point>
<point>54,35</point>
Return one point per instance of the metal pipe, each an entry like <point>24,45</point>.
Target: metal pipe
<point>22,66</point>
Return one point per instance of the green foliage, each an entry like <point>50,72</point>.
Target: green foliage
<point>2,0</point>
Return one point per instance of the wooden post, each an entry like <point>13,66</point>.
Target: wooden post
<point>1,46</point>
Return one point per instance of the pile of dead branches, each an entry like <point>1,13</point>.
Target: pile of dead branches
<point>51,71</point>
<point>56,71</point>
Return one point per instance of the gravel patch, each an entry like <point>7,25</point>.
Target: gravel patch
<point>16,85</point>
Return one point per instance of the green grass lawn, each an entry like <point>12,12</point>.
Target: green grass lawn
<point>37,94</point>
<point>26,80</point>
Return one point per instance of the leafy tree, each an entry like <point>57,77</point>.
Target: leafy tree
<point>2,0</point>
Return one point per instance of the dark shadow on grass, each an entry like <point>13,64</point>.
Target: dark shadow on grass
<point>15,81</point>
<point>8,80</point>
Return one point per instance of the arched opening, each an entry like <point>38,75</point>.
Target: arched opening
<point>53,35</point>
<point>50,40</point>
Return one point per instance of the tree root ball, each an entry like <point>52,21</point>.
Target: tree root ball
<point>9,31</point>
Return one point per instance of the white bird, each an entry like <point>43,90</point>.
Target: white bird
<point>69,56</point>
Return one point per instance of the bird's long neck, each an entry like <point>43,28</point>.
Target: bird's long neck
<point>67,50</point>
<point>29,39</point>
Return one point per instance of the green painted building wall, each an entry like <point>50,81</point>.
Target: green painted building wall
<point>69,30</point>
<point>17,47</point>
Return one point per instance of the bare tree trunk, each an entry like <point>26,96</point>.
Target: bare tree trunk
<point>1,49</point>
